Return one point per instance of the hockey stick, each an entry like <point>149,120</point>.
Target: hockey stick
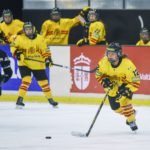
<point>66,67</point>
<point>141,21</point>
<point>79,134</point>
<point>71,68</point>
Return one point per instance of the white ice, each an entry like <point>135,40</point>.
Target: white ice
<point>26,129</point>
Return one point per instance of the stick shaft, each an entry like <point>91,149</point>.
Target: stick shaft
<point>97,113</point>
<point>66,67</point>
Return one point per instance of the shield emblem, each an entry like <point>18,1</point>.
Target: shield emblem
<point>81,79</point>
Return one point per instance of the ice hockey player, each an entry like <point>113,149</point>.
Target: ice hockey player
<point>31,45</point>
<point>94,30</point>
<point>144,38</point>
<point>10,27</point>
<point>117,73</point>
<point>56,30</point>
<point>7,71</point>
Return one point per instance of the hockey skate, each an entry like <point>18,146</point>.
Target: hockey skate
<point>52,102</point>
<point>132,125</point>
<point>19,103</point>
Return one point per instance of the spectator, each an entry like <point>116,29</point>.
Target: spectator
<point>10,27</point>
<point>94,30</point>
<point>144,38</point>
<point>56,30</point>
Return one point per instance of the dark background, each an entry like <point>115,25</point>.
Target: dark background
<point>15,6</point>
<point>121,25</point>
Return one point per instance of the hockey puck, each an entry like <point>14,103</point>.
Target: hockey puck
<point>48,137</point>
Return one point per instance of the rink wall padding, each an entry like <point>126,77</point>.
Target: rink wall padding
<point>70,86</point>
<point>67,100</point>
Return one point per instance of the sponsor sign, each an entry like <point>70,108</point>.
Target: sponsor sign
<point>86,83</point>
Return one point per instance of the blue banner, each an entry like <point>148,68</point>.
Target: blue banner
<point>15,81</point>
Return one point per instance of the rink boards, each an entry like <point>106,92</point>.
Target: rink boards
<point>79,87</point>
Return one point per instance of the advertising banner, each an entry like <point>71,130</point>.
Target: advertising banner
<point>15,81</point>
<point>87,58</point>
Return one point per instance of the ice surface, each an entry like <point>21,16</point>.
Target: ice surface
<point>26,129</point>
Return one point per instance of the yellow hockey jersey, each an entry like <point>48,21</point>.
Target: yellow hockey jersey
<point>141,43</point>
<point>11,30</point>
<point>97,33</point>
<point>35,49</point>
<point>57,33</point>
<point>125,73</point>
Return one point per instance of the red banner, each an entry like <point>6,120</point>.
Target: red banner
<point>87,58</point>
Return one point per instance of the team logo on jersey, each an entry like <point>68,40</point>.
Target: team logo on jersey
<point>57,32</point>
<point>81,79</point>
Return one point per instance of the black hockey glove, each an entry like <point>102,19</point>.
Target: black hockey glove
<point>124,91</point>
<point>82,42</point>
<point>18,54</point>
<point>48,62</point>
<point>106,83</point>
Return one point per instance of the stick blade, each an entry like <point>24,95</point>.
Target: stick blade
<point>78,134</point>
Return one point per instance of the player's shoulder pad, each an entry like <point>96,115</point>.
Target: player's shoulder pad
<point>128,62</point>
<point>104,60</point>
<point>17,21</point>
<point>39,36</point>
<point>97,24</point>
<point>65,20</point>
<point>47,22</point>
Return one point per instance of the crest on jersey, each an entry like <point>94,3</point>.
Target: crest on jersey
<point>81,79</point>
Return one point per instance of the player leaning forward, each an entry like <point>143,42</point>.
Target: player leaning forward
<point>31,45</point>
<point>117,73</point>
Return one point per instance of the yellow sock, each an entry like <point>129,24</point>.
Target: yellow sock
<point>45,88</point>
<point>26,81</point>
<point>127,110</point>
